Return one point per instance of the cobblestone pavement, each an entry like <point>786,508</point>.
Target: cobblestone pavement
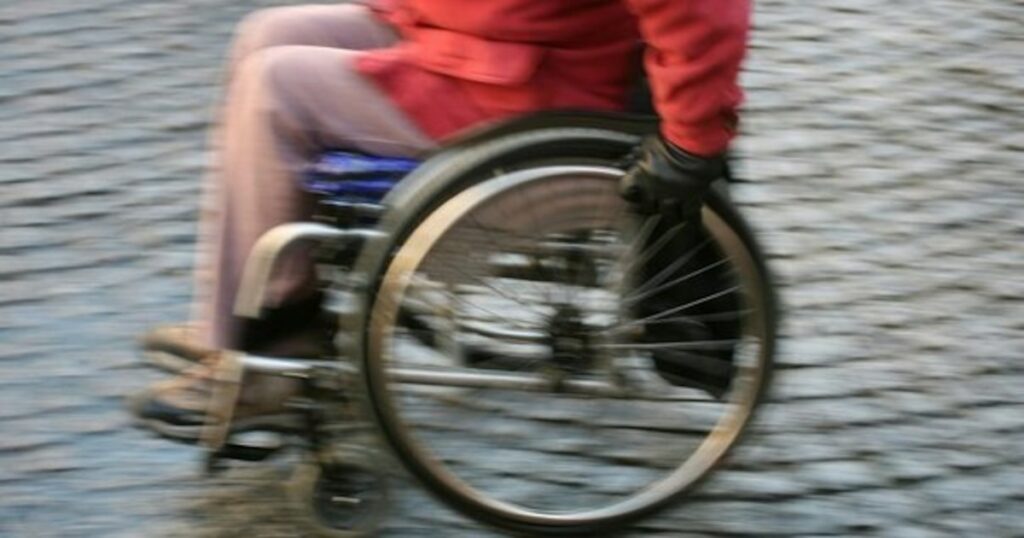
<point>884,150</point>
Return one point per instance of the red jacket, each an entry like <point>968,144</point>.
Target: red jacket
<point>462,62</point>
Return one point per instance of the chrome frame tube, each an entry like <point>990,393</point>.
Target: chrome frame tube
<point>465,379</point>
<point>259,267</point>
<point>502,381</point>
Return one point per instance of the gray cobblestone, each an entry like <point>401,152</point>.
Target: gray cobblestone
<point>882,158</point>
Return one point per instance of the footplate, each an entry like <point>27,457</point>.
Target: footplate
<point>324,386</point>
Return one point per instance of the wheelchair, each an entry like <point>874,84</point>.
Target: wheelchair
<point>486,338</point>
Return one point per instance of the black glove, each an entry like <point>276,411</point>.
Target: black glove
<point>668,180</point>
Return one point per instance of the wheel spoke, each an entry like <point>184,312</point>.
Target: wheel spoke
<point>645,292</point>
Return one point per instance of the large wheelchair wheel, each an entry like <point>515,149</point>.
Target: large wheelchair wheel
<point>504,362</point>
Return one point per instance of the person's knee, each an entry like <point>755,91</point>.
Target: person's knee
<point>282,81</point>
<point>279,71</point>
<point>263,28</point>
<point>282,25</point>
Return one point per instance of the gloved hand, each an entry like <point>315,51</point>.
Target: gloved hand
<point>666,179</point>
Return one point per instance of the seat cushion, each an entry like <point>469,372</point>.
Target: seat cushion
<point>355,176</point>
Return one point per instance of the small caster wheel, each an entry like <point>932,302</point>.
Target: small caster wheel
<point>345,499</point>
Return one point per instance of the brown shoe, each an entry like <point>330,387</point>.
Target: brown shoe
<point>175,348</point>
<point>180,408</point>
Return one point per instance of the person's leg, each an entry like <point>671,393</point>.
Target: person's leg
<point>348,26</point>
<point>341,26</point>
<point>285,105</point>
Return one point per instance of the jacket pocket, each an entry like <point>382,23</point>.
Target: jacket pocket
<point>475,59</point>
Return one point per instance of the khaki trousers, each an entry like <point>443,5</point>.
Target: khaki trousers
<point>291,93</point>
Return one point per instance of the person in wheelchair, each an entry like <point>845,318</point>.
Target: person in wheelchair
<point>399,78</point>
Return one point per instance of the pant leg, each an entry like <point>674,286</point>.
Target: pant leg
<point>284,105</point>
<point>344,26</point>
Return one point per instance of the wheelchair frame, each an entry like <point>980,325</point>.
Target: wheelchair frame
<point>373,245</point>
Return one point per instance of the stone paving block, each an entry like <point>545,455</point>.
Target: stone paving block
<point>840,475</point>
<point>913,465</point>
<point>755,484</point>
